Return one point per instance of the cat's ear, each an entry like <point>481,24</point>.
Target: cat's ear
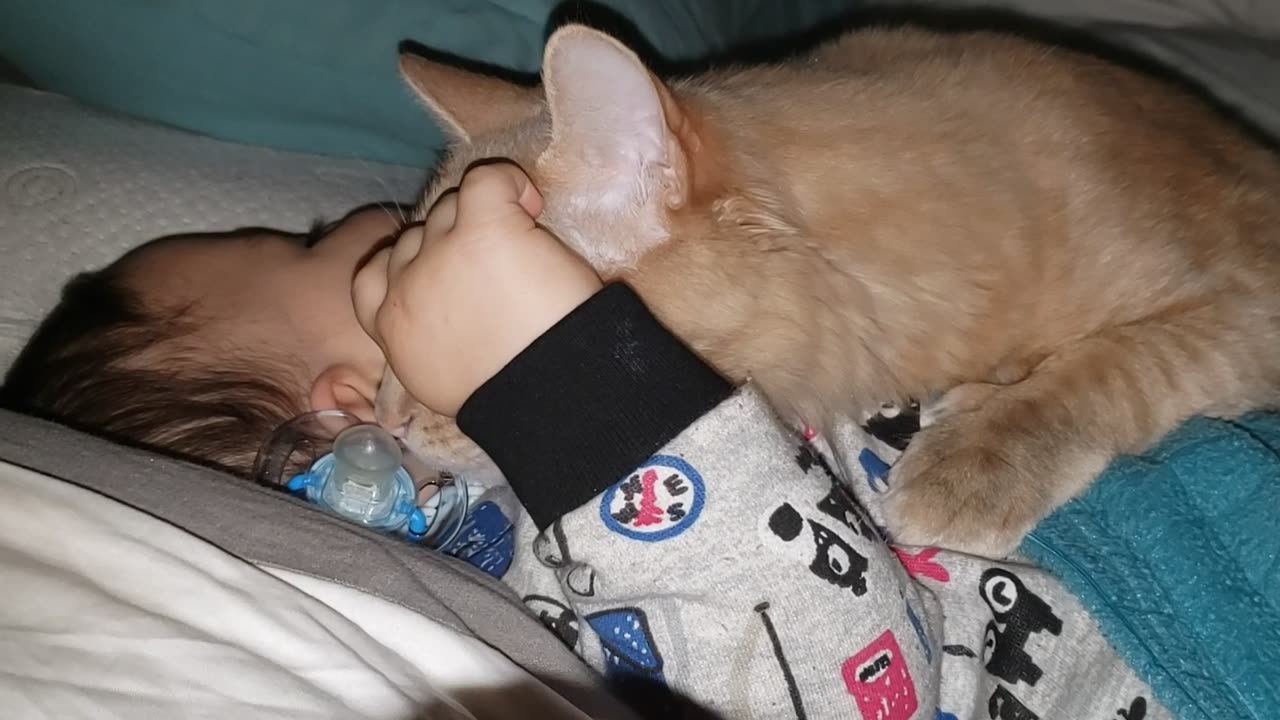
<point>618,156</point>
<point>467,104</point>
<point>612,120</point>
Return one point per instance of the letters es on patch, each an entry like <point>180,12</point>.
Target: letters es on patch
<point>660,500</point>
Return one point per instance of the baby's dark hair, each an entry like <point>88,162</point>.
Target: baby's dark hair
<point>106,363</point>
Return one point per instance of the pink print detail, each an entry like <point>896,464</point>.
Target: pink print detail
<point>922,564</point>
<point>879,681</point>
<point>650,513</point>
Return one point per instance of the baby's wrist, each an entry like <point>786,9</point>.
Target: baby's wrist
<point>599,392</point>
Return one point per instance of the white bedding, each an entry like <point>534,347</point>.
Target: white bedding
<point>109,612</point>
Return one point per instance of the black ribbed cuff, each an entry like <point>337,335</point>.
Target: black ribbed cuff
<point>589,401</point>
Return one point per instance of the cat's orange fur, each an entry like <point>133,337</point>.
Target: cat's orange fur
<point>1081,255</point>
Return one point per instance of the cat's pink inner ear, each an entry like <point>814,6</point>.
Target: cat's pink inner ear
<point>606,112</point>
<point>467,104</point>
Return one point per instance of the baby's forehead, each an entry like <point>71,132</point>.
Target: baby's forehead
<point>185,269</point>
<point>154,268</point>
<point>175,251</point>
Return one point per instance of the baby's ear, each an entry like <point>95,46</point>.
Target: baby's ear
<point>342,387</point>
<point>467,104</point>
<point>615,128</point>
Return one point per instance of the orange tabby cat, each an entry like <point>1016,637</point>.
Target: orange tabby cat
<point>1077,255</point>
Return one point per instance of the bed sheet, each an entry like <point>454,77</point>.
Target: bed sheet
<point>110,612</point>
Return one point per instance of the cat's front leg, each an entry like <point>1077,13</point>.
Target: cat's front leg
<point>979,480</point>
<point>981,477</point>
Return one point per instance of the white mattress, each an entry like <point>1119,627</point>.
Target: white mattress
<point>79,187</point>
<point>112,613</point>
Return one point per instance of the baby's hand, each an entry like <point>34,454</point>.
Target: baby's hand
<point>457,298</point>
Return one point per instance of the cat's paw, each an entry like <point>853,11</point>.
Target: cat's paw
<point>965,486</point>
<point>956,401</point>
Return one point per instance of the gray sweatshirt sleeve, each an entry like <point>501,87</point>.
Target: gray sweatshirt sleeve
<point>698,554</point>
<point>688,546</point>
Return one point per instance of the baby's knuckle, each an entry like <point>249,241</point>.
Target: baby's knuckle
<point>484,176</point>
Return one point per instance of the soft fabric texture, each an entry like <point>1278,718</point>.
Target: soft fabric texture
<point>632,404</point>
<point>321,77</point>
<point>1177,554</point>
<point>272,530</point>
<point>110,612</point>
<point>79,187</point>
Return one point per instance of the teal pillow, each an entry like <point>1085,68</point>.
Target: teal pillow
<point>320,76</point>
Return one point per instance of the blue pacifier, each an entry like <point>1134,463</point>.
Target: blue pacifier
<point>356,470</point>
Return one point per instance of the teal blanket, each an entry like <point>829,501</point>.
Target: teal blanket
<point>320,76</point>
<point>1177,555</point>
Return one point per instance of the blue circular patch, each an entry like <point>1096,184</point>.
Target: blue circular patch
<point>659,500</point>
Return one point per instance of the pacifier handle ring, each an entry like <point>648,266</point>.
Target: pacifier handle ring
<point>465,501</point>
<point>273,456</point>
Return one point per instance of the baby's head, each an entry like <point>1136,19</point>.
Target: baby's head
<point>201,345</point>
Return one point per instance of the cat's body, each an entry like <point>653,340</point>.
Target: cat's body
<point>1083,256</point>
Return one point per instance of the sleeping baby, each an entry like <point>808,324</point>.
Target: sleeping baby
<point>672,532</point>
